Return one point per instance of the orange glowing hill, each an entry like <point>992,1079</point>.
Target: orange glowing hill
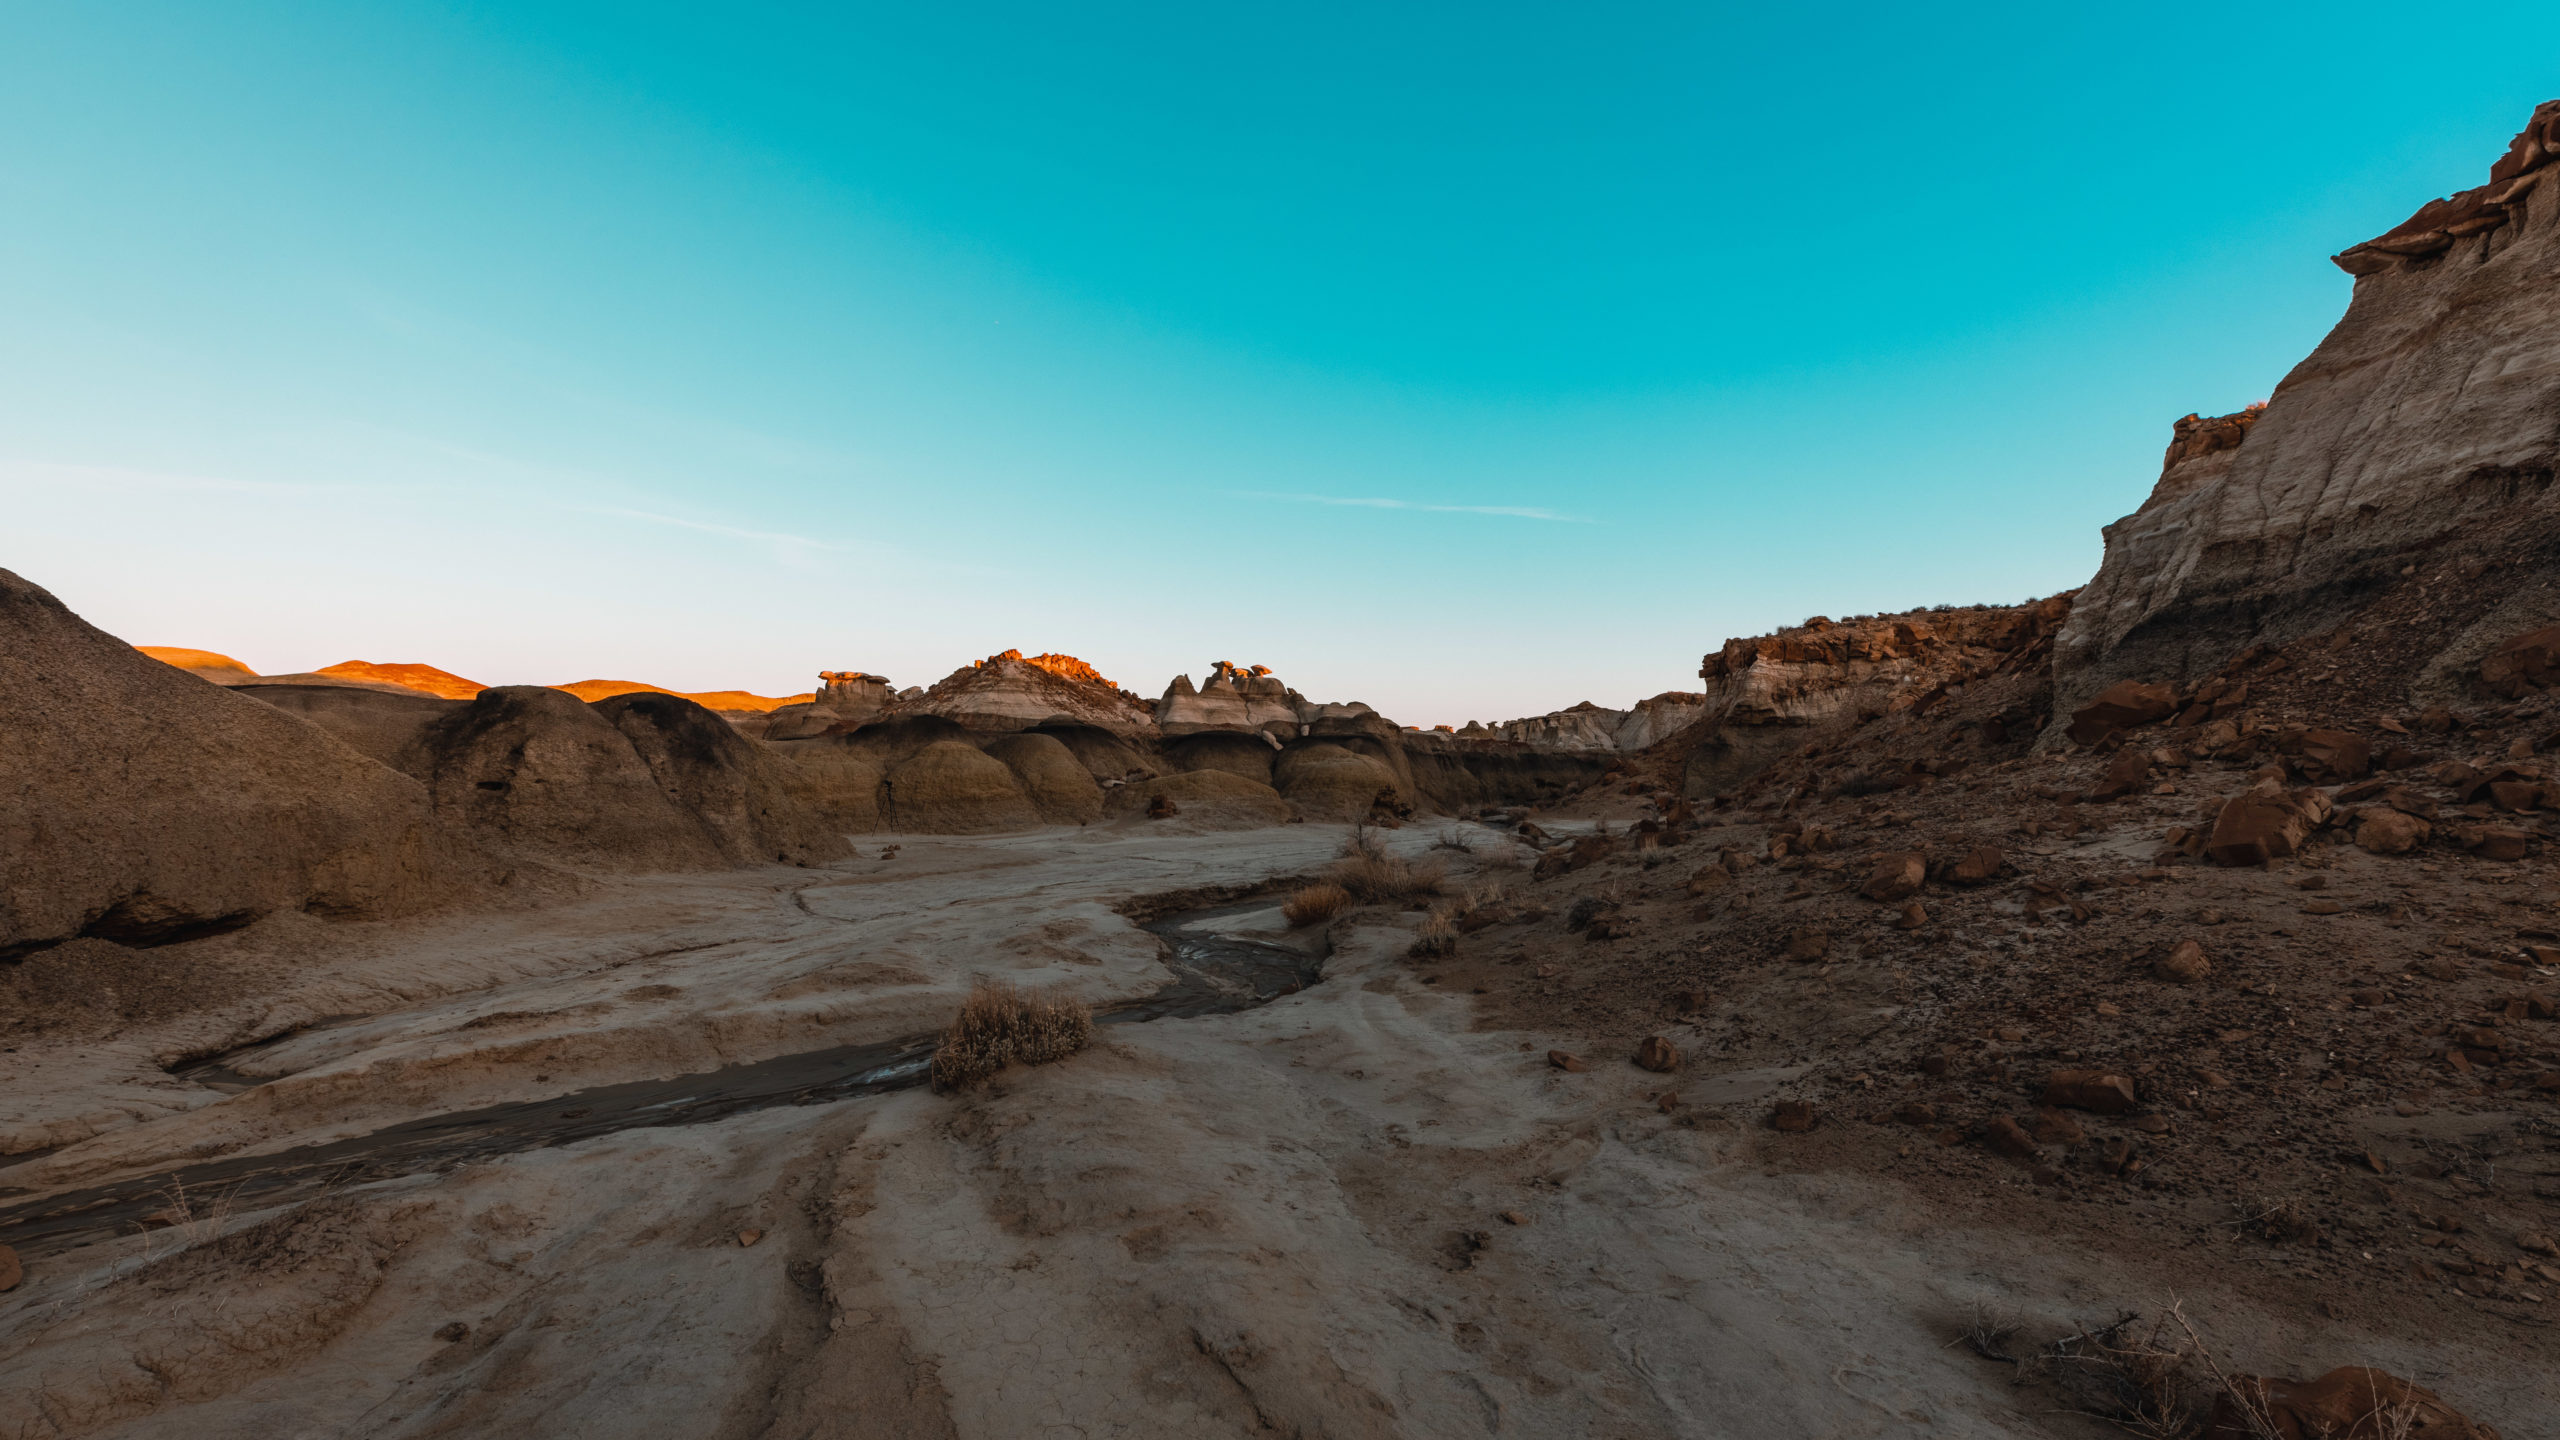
<point>426,678</point>
<point>207,663</point>
<point>593,690</point>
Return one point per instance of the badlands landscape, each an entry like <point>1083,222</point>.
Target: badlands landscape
<point>2134,1011</point>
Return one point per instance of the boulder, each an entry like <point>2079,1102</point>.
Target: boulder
<point>1977,866</point>
<point>2127,770</point>
<point>951,787</point>
<point>2093,1090</point>
<point>2526,662</point>
<point>2352,1402</point>
<point>2185,964</point>
<point>140,804</point>
<point>1897,876</point>
<point>2007,1137</point>
<point>1061,789</point>
<point>2336,755</point>
<point>2125,705</point>
<point>1658,1054</point>
<point>2388,832</point>
<point>2263,823</point>
<point>1793,1117</point>
<point>11,1272</point>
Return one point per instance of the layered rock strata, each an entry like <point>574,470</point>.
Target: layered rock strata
<point>2418,443</point>
<point>1009,691</point>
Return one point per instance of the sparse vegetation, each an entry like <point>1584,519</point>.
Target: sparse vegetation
<point>999,1025</point>
<point>1438,937</point>
<point>1374,876</point>
<point>1315,904</point>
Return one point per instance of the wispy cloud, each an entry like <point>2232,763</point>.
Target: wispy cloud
<point>1516,512</point>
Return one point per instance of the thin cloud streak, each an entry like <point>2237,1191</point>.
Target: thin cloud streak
<point>1516,512</point>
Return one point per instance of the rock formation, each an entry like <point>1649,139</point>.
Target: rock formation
<point>1006,691</point>
<point>2415,447</point>
<point>1596,728</point>
<point>141,805</point>
<point>638,782</point>
<point>1772,694</point>
<point>1232,699</point>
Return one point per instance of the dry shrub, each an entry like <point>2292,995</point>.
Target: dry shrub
<point>999,1025</point>
<point>1373,875</point>
<point>1437,939</point>
<point>1315,904</point>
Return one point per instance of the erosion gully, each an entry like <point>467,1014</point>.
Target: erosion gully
<point>1212,975</point>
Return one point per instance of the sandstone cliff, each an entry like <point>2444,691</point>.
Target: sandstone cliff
<point>2415,447</point>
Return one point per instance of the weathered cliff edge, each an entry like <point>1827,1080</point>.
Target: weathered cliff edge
<point>2420,437</point>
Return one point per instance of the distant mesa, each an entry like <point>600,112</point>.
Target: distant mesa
<point>737,700</point>
<point>202,662</point>
<point>426,679</point>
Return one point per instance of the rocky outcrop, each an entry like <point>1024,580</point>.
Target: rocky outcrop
<point>727,702</point>
<point>139,804</point>
<point>1231,699</point>
<point>1010,691</point>
<point>951,787</point>
<point>1056,783</point>
<point>2418,442</point>
<point>1595,728</point>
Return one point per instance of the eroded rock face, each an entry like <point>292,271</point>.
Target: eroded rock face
<point>1596,728</point>
<point>742,794</point>
<point>544,773</point>
<point>1769,695</point>
<point>1232,699</point>
<point>2419,434</point>
<point>139,804</point>
<point>1009,691</point>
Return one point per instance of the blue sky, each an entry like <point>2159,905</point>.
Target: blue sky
<point>712,346</point>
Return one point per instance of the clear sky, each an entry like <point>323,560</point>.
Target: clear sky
<point>1471,360</point>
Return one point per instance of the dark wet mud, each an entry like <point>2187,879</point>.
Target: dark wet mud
<point>1212,975</point>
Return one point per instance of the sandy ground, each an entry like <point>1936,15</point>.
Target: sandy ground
<point>1349,1212</point>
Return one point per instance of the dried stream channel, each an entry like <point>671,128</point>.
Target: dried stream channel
<point>1212,975</point>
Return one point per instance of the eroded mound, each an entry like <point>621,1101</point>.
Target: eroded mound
<point>143,805</point>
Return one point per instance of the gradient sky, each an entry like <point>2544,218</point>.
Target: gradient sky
<point>1470,360</point>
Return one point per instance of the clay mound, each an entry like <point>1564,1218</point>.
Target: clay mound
<point>381,723</point>
<point>837,778</point>
<point>425,679</point>
<point>546,774</point>
<point>1204,800</point>
<point>1104,755</point>
<point>798,722</point>
<point>139,805</point>
<point>1248,755</point>
<point>739,700</point>
<point>1330,782</point>
<point>1058,784</point>
<point>212,666</point>
<point>951,787</point>
<point>743,796</point>
<point>1007,692</point>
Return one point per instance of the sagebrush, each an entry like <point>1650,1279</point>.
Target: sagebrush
<point>1000,1025</point>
